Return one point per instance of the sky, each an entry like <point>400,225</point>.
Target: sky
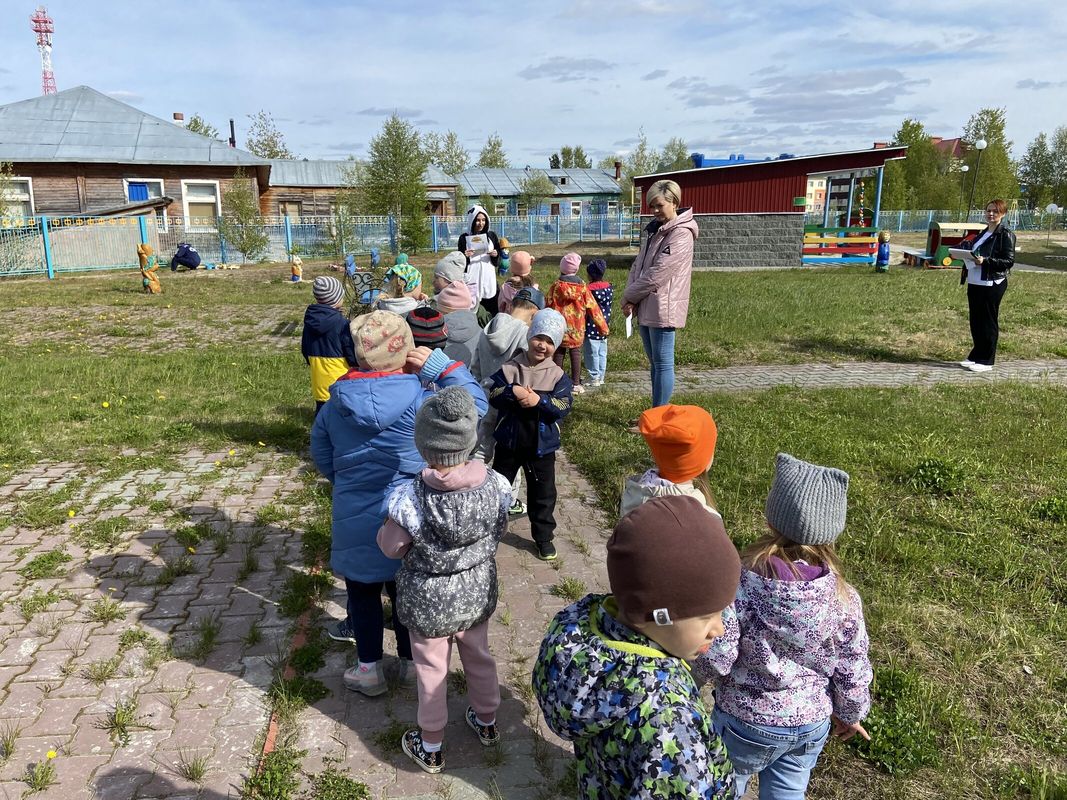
<point>757,77</point>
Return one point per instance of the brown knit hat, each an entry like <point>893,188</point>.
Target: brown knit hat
<point>383,341</point>
<point>669,559</point>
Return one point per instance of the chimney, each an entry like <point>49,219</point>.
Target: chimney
<point>233,135</point>
<point>179,117</point>
<point>618,170</point>
<point>881,145</point>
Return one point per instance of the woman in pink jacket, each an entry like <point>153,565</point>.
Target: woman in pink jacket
<point>657,288</point>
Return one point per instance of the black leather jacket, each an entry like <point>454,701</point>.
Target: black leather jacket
<point>999,254</point>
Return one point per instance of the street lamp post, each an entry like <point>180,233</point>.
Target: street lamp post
<point>1052,210</point>
<point>980,145</point>
<point>963,182</point>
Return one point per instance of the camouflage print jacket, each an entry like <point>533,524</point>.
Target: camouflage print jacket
<point>639,727</point>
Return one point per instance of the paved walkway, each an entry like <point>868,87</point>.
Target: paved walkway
<point>845,374</point>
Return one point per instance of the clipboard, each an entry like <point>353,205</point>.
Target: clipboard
<point>961,255</point>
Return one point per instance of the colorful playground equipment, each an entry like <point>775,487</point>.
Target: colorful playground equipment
<point>940,237</point>
<point>854,237</point>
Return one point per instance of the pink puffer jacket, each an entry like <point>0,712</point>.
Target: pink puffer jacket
<point>659,280</point>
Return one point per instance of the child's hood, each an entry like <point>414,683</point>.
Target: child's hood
<point>588,682</point>
<point>795,610</point>
<point>461,326</point>
<point>474,211</point>
<point>323,319</point>
<point>642,488</point>
<point>397,305</point>
<point>374,401</point>
<point>505,335</point>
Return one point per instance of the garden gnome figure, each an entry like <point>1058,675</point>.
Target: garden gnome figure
<point>149,267</point>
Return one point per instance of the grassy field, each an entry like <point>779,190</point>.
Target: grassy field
<point>956,533</point>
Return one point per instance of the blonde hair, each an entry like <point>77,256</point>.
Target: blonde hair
<point>521,281</point>
<point>703,483</point>
<point>669,190</point>
<point>757,558</point>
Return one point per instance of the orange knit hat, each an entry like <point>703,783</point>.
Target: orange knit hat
<point>681,438</point>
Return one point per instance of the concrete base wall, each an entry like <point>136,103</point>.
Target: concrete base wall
<point>748,240</point>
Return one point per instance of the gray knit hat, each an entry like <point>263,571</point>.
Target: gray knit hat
<point>807,503</point>
<point>452,267</point>
<point>548,322</point>
<point>327,290</point>
<point>446,427</point>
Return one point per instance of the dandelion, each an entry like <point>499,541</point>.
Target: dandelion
<point>70,513</point>
<point>74,397</point>
<point>52,754</point>
<point>111,588</point>
<point>218,463</point>
<point>192,550</point>
<point>261,444</point>
<point>233,452</point>
<point>105,404</point>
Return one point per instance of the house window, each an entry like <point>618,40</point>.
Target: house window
<point>138,189</point>
<point>18,195</point>
<point>520,209</point>
<point>500,209</point>
<point>554,210</point>
<point>576,208</point>
<point>562,180</point>
<point>613,207</point>
<point>201,202</point>
<point>291,209</point>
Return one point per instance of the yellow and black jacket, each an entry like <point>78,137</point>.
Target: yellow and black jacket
<point>326,344</point>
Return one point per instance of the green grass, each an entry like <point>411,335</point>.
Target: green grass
<point>953,542</point>
<point>46,565</point>
<point>105,610</point>
<point>37,602</point>
<point>121,720</point>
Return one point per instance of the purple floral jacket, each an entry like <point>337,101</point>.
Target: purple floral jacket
<point>792,653</point>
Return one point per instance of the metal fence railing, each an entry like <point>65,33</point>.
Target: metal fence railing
<point>54,245</point>
<point>899,221</point>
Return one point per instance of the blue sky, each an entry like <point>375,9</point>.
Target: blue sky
<point>759,77</point>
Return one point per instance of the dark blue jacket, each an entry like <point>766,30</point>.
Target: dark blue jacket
<point>519,427</point>
<point>326,344</point>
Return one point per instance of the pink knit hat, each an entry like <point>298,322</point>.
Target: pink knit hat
<point>569,264</point>
<point>456,296</point>
<point>521,263</point>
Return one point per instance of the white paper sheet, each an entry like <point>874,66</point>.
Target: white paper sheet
<point>629,326</point>
<point>479,243</point>
<point>961,255</point>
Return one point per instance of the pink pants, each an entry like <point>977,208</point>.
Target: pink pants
<point>431,658</point>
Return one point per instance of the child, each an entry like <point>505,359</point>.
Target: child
<point>595,347</point>
<point>446,524</point>
<point>326,342</point>
<point>521,267</point>
<point>461,324</point>
<point>401,288</point>
<point>453,268</point>
<point>363,442</point>
<point>682,441</point>
<point>570,296</point>
<point>611,674</point>
<point>793,661</point>
<point>427,327</point>
<point>532,395</point>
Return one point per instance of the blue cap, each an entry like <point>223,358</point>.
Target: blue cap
<point>531,294</point>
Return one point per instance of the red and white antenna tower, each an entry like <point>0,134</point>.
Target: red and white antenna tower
<point>43,27</point>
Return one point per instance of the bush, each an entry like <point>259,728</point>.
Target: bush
<point>936,476</point>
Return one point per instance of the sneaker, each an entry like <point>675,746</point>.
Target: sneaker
<point>433,763</point>
<point>578,389</point>
<point>487,734</point>
<point>369,682</point>
<point>518,509</point>
<point>966,363</point>
<point>546,551</point>
<point>405,675</point>
<point>980,367</point>
<point>340,632</point>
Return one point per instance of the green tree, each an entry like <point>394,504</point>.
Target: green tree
<point>922,180</point>
<point>581,160</point>
<point>264,138</point>
<point>486,201</point>
<point>1059,165</point>
<point>674,156</point>
<point>6,173</point>
<point>996,178</point>
<point>242,224</point>
<point>1037,171</point>
<point>197,124</point>
<point>392,181</point>
<point>554,161</point>
<point>492,155</point>
<point>641,160</point>
<point>534,187</point>
<point>446,152</point>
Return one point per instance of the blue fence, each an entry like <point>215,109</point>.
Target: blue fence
<point>55,245</point>
<point>920,220</point>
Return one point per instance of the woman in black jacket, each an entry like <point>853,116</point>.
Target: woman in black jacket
<point>987,280</point>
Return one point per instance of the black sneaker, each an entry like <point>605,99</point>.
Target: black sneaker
<point>517,510</point>
<point>487,734</point>
<point>430,762</point>
<point>340,632</point>
<point>546,551</point>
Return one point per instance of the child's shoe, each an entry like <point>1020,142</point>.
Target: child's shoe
<point>546,551</point>
<point>405,675</point>
<point>488,735</point>
<point>578,389</point>
<point>517,510</point>
<point>340,632</point>
<point>370,682</point>
<point>430,762</point>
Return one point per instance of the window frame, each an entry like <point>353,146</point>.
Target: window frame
<point>185,202</point>
<point>500,208</point>
<point>162,193</point>
<point>29,193</point>
<point>578,204</point>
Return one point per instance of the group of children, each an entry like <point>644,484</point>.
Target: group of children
<point>405,431</point>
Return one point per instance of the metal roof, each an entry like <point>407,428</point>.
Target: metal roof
<point>331,174</point>
<point>740,164</point>
<point>83,125</point>
<point>505,182</point>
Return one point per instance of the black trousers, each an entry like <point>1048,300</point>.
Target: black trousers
<point>490,305</point>
<point>540,475</point>
<point>983,302</point>
<point>366,619</point>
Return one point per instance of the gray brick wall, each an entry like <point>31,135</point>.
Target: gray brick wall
<point>748,240</point>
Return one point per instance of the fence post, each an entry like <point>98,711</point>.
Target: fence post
<point>557,228</point>
<point>142,228</point>
<point>433,231</point>
<point>392,234</point>
<point>48,262</point>
<point>288,237</point>
<point>900,221</point>
<point>601,228</point>
<point>929,219</point>
<point>530,226</point>
<point>222,240</point>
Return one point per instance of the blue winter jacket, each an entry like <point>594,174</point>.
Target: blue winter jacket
<point>363,441</point>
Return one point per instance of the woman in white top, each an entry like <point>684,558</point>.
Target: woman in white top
<point>482,250</point>
<point>987,280</point>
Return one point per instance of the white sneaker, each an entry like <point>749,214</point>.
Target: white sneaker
<point>578,389</point>
<point>370,682</point>
<point>980,367</point>
<point>966,363</point>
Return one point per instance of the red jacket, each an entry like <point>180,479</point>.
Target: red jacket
<point>572,298</point>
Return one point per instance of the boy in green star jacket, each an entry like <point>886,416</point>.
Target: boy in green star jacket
<point>612,675</point>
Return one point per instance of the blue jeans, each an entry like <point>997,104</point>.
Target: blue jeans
<point>595,353</point>
<point>782,757</point>
<point>659,347</point>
